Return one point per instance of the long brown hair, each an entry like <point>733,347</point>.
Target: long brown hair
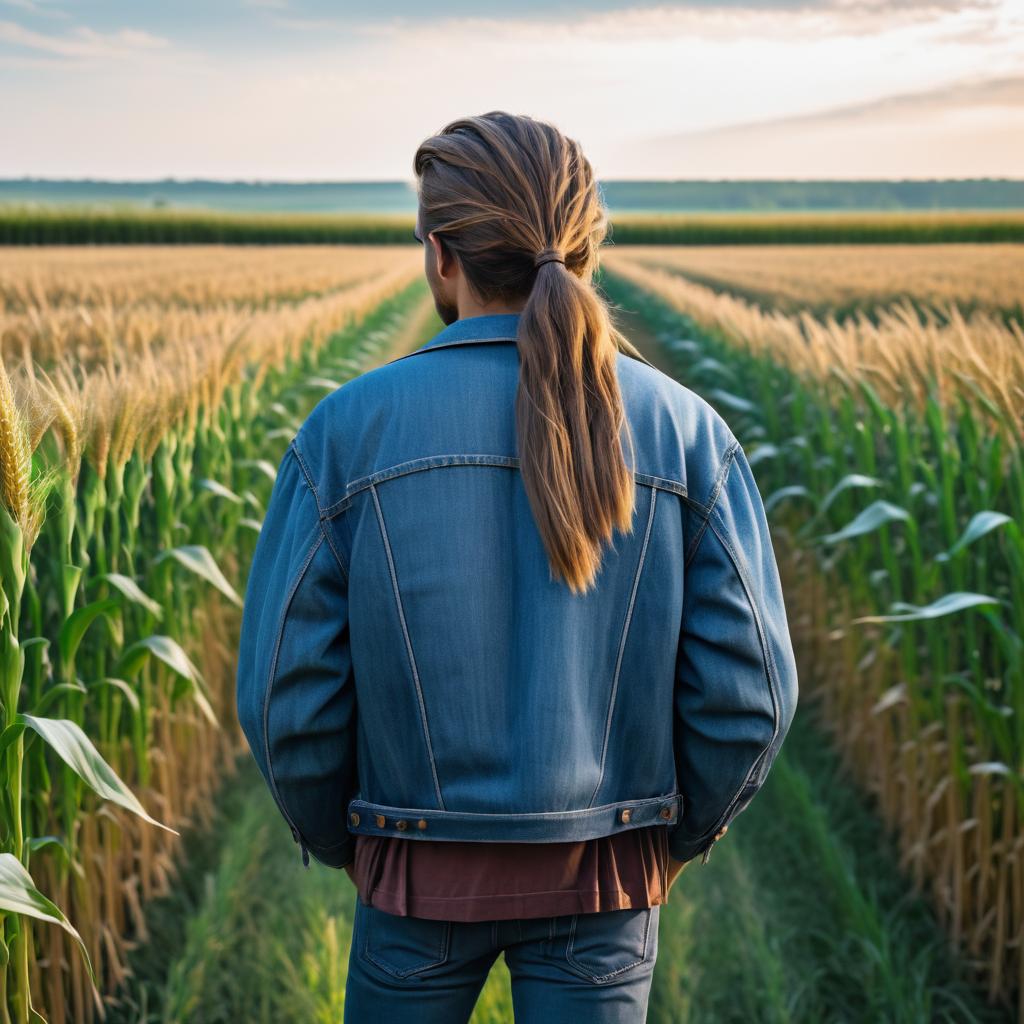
<point>517,203</point>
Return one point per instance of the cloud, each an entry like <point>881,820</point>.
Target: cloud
<point>752,88</point>
<point>965,128</point>
<point>972,93</point>
<point>83,43</point>
<point>977,92</point>
<point>25,5</point>
<point>34,9</point>
<point>884,6</point>
<point>719,20</point>
<point>399,19</point>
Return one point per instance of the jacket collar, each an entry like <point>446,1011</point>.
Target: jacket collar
<point>489,327</point>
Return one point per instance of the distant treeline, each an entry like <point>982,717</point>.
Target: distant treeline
<point>621,196</point>
<point>69,226</point>
<point>808,228</point>
<point>823,196</point>
<point>135,226</point>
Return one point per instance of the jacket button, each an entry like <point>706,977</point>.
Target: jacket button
<point>401,825</point>
<point>422,823</point>
<point>354,818</point>
<point>666,812</point>
<point>626,814</point>
<point>380,821</point>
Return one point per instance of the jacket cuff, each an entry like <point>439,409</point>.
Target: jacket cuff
<point>337,856</point>
<point>683,849</point>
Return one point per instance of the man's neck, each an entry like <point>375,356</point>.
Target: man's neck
<point>466,310</point>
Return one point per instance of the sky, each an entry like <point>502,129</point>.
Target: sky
<point>299,90</point>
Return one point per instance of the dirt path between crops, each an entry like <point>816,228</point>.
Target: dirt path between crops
<point>639,332</point>
<point>421,324</point>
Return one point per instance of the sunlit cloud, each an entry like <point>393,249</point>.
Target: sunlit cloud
<point>968,128</point>
<point>761,88</point>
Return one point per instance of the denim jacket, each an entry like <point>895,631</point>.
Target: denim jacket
<point>409,667</point>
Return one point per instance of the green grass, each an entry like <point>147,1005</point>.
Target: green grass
<point>251,935</point>
<point>801,915</point>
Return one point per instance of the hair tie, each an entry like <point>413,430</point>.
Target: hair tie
<point>549,256</point>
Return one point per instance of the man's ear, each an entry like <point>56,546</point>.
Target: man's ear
<point>441,255</point>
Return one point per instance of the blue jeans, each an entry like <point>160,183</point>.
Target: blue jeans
<point>580,967</point>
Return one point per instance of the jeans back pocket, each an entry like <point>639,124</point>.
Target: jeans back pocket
<point>401,946</point>
<point>604,945</point>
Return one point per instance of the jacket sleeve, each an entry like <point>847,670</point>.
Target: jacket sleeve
<point>736,678</point>
<point>294,687</point>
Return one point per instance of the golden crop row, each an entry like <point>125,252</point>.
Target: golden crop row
<point>107,380</point>
<point>898,349</point>
<point>174,275</point>
<point>844,277</point>
<point>86,306</point>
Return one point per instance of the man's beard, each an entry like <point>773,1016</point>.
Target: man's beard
<point>448,314</point>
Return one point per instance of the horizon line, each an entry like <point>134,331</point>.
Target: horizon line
<point>409,182</point>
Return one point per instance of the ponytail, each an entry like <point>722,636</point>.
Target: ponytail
<point>568,416</point>
<point>498,187</point>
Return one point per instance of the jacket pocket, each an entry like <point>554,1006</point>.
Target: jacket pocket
<point>402,946</point>
<point>603,946</point>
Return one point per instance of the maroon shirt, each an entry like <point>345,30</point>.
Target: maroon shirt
<point>464,881</point>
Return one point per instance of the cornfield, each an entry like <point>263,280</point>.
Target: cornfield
<point>134,225</point>
<point>145,395</point>
<point>888,447</point>
<point>137,439</point>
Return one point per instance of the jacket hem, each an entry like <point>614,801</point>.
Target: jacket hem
<point>366,818</point>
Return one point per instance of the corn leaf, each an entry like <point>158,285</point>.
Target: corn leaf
<point>709,365</point>
<point>731,401</point>
<point>171,653</point>
<point>849,481</point>
<point>9,735</point>
<point>262,465</point>
<point>989,768</point>
<point>948,605</point>
<point>793,491</point>
<point>216,487</point>
<point>75,749</point>
<point>322,382</point>
<point>122,687</point>
<point>198,560</point>
<point>874,517</point>
<point>76,624</point>
<point>19,895</point>
<point>54,693</point>
<point>165,648</point>
<point>133,592</point>
<point>762,452</point>
<point>980,524</point>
